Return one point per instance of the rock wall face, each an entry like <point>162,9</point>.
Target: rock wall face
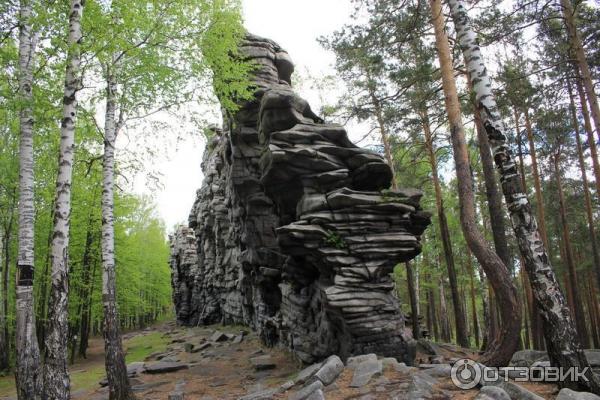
<point>296,233</point>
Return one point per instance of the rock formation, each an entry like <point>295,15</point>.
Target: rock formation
<point>296,231</point>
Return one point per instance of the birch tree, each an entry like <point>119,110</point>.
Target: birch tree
<point>56,376</point>
<point>28,355</point>
<point>561,338</point>
<point>499,353</point>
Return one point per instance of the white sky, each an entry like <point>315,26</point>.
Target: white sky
<point>295,25</point>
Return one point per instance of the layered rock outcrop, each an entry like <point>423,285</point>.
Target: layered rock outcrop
<point>296,231</point>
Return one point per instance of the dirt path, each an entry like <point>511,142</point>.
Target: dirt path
<point>221,367</point>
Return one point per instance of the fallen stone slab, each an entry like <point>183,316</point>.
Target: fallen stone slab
<point>568,394</point>
<point>162,367</point>
<point>218,336</point>
<point>421,387</point>
<point>352,362</point>
<point>307,391</point>
<point>331,369</point>
<point>364,371</point>
<point>518,392</point>
<point>439,371</point>
<point>316,395</point>
<point>262,363</point>
<point>201,347</point>
<point>285,386</point>
<point>525,358</point>
<point>238,339</point>
<point>492,393</point>
<point>135,368</point>
<point>147,386</point>
<point>307,373</point>
<point>266,394</point>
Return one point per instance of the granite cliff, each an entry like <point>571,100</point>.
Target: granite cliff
<point>294,232</point>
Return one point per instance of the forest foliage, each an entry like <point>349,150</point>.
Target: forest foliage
<point>165,56</point>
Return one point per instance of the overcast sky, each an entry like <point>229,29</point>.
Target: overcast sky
<point>295,25</point>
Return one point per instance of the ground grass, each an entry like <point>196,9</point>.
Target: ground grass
<point>86,376</point>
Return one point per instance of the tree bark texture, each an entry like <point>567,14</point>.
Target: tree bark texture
<point>496,271</point>
<point>116,370</point>
<point>584,69</point>
<point>56,374</point>
<point>459,317</point>
<point>563,346</point>
<point>586,188</point>
<point>414,310</point>
<point>28,371</point>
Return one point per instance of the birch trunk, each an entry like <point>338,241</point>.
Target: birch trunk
<point>116,370</point>
<point>28,354</point>
<point>4,350</point>
<point>561,338</point>
<point>56,374</point>
<point>500,353</point>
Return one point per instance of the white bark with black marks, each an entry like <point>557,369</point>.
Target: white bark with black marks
<point>563,346</point>
<point>56,374</point>
<point>28,354</point>
<point>116,370</point>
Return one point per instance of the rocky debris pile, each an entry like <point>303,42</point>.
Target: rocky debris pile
<point>296,233</point>
<point>366,375</point>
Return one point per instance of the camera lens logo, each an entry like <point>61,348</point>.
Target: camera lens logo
<point>466,374</point>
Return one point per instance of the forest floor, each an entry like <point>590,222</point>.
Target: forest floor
<point>215,368</point>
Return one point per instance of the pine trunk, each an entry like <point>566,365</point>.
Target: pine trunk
<point>56,374</point>
<point>493,195</point>
<point>496,271</point>
<point>460,321</point>
<point>584,69</point>
<point>561,338</point>
<point>384,137</point>
<point>473,303</point>
<point>587,124</point>
<point>537,182</point>
<point>568,250</point>
<point>28,371</point>
<point>586,188</point>
<point>414,310</point>
<point>444,322</point>
<point>116,370</point>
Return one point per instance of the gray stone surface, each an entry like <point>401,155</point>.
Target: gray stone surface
<point>262,363</point>
<point>439,371</point>
<point>266,394</point>
<point>365,371</point>
<point>162,367</point>
<point>331,369</point>
<point>492,393</point>
<point>307,391</point>
<point>307,373</point>
<point>525,358</point>
<point>518,392</point>
<point>294,224</point>
<point>568,394</point>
